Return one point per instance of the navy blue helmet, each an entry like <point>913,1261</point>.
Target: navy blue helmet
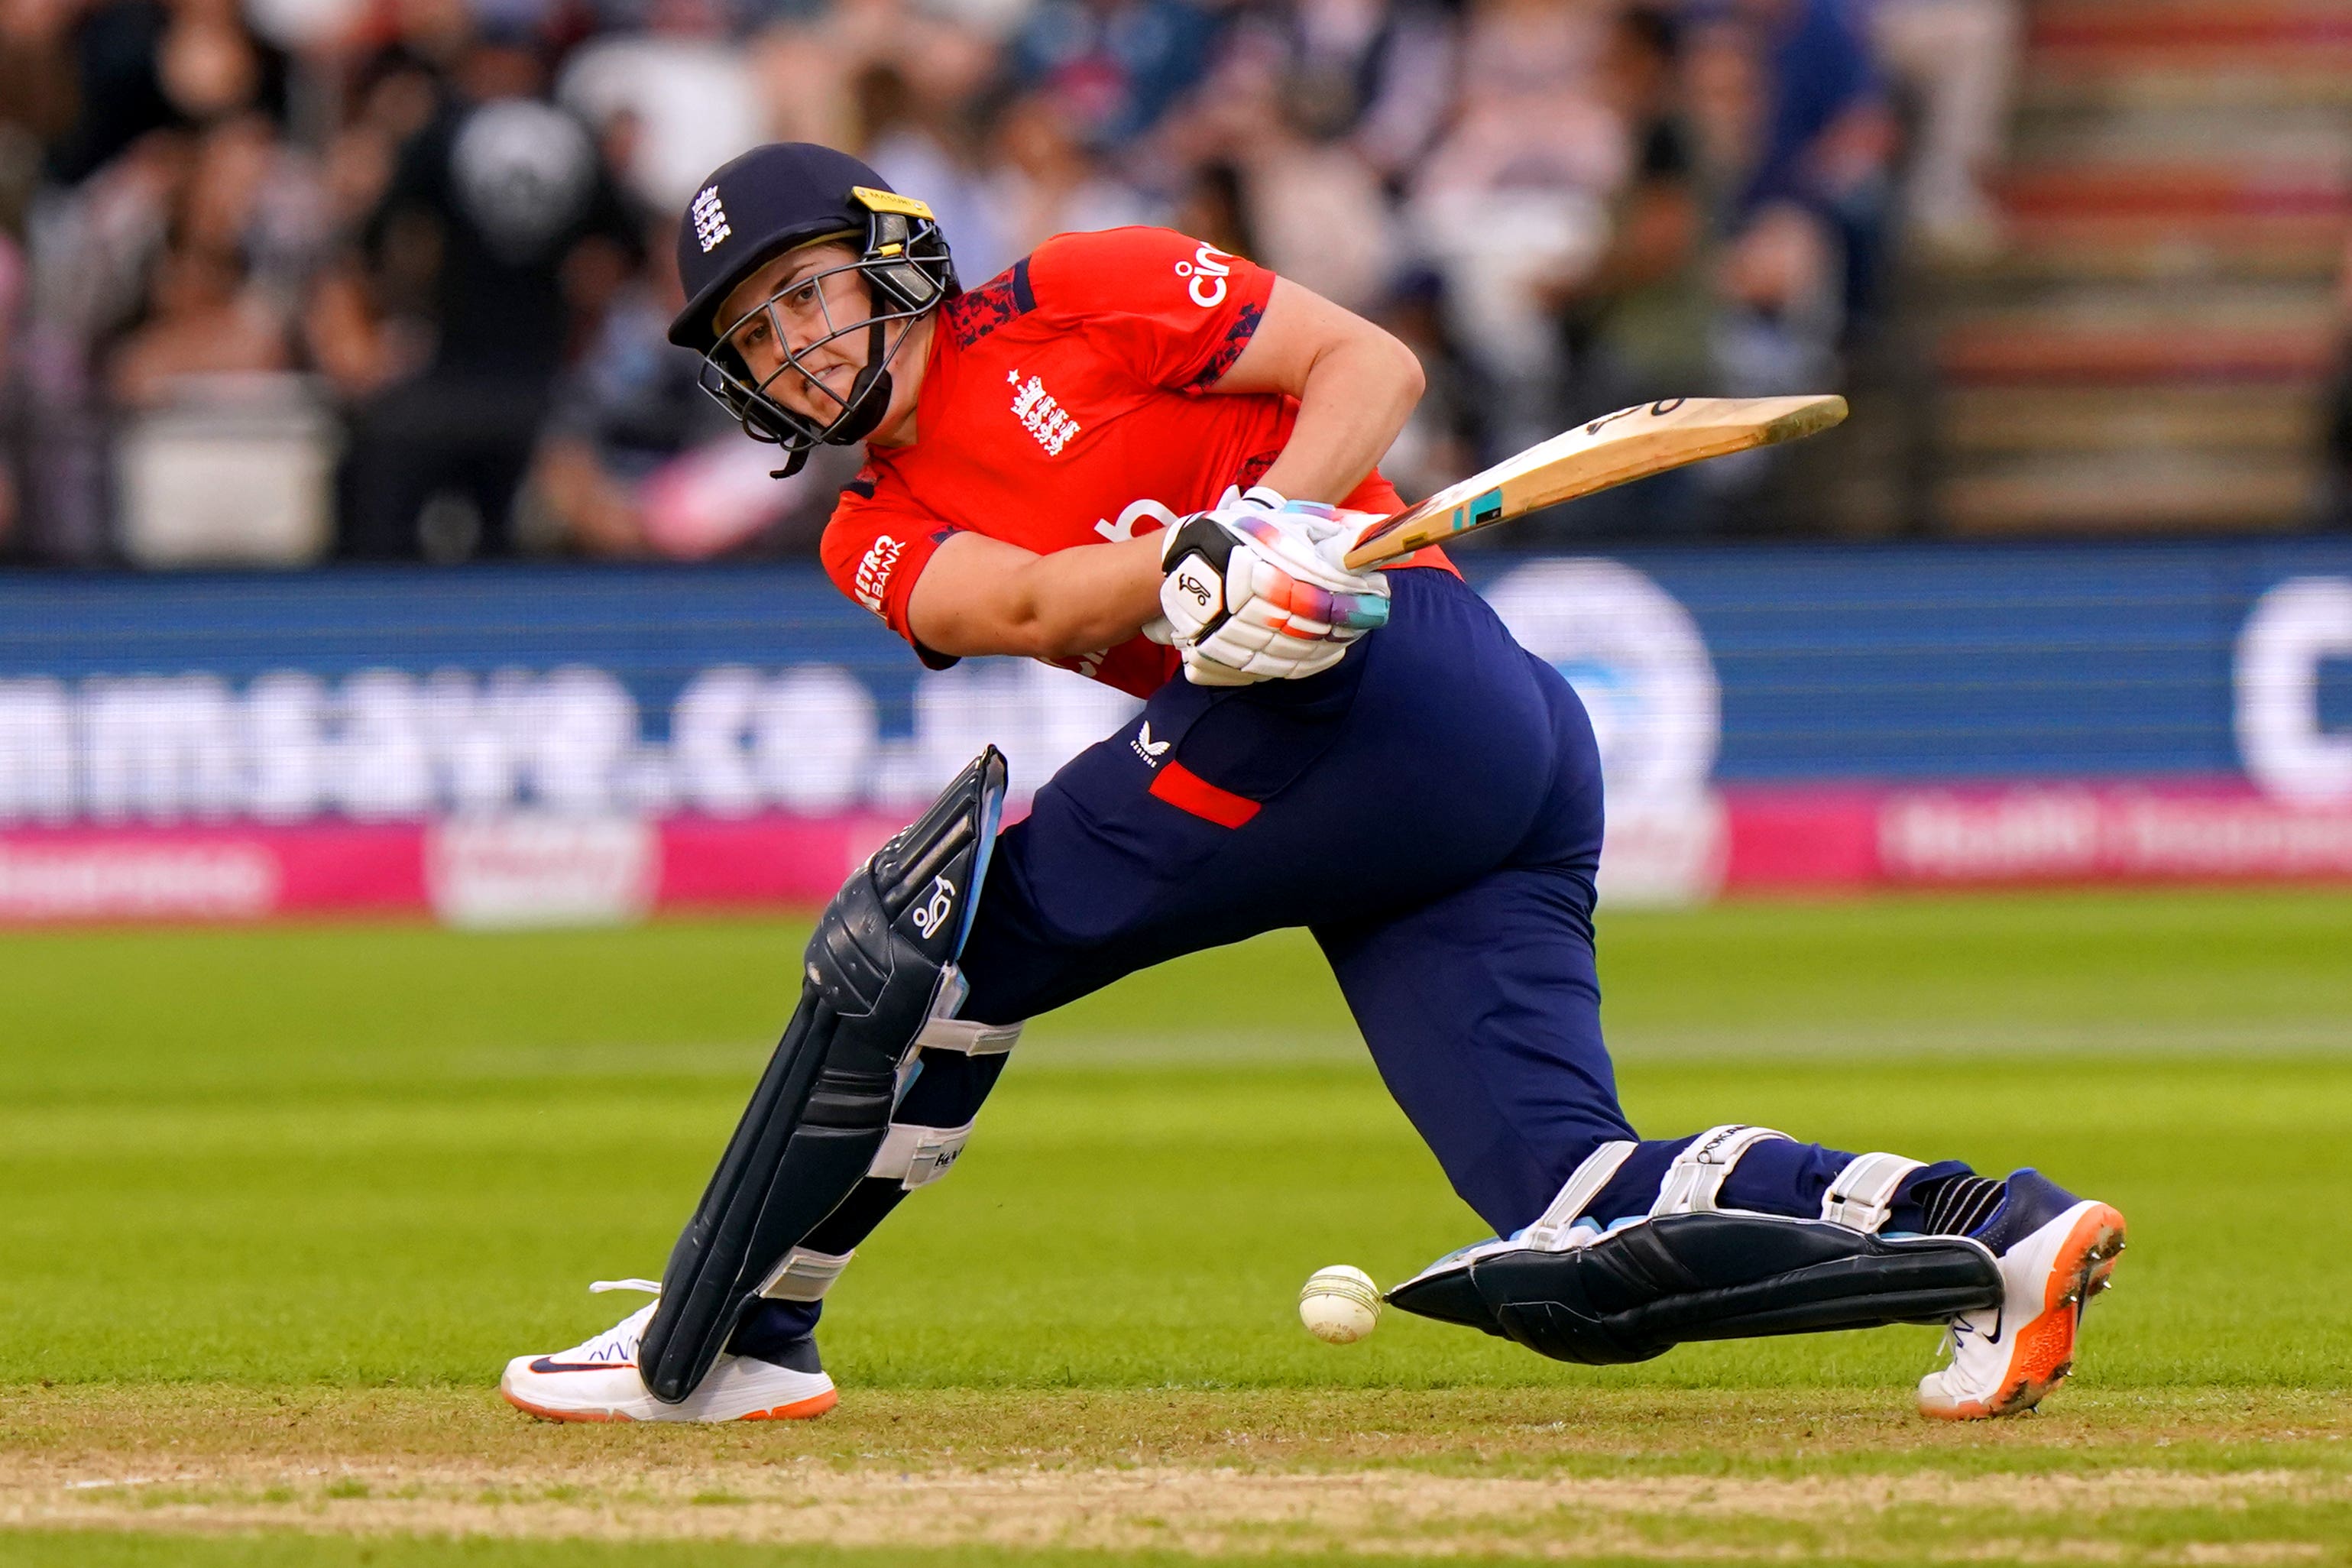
<point>778,198</point>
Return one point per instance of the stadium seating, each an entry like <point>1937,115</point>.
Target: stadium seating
<point>2152,349</point>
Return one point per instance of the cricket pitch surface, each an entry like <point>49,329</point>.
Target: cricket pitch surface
<point>2209,1476</point>
<point>283,1202</point>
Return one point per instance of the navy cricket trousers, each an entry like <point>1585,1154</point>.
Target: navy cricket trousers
<point>1431,809</point>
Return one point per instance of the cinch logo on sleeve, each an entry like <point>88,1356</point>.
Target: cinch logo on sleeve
<point>1208,275</point>
<point>1035,407</point>
<point>709,219</point>
<point>873,572</point>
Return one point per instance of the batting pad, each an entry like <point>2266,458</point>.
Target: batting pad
<point>879,970</point>
<point>1639,1290</point>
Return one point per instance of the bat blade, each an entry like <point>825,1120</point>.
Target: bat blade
<point>1615,450</point>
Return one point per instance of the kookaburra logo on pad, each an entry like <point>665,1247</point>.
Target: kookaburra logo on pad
<point>933,913</point>
<point>709,219</point>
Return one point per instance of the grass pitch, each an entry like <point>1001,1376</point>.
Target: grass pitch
<point>284,1202</point>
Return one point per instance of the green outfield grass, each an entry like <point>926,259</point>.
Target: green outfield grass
<point>306,1190</point>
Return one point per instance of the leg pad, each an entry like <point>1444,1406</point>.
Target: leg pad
<point>1639,1291</point>
<point>877,974</point>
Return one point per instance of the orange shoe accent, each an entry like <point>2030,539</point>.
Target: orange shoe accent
<point>800,1409</point>
<point>1974,1410</point>
<point>2044,1350</point>
<point>545,1414</point>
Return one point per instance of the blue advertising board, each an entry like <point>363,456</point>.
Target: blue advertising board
<point>1808,664</point>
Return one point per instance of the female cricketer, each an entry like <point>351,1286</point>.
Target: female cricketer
<point>1142,458</point>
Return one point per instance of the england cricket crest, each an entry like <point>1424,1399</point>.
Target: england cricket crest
<point>710,219</point>
<point>1035,409</point>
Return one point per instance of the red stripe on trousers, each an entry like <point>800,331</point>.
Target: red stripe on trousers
<point>1185,790</point>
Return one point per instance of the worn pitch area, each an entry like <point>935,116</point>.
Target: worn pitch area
<point>1654,1474</point>
<point>287,1199</point>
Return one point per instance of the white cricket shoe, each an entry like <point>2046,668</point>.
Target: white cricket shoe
<point>597,1380</point>
<point>2005,1359</point>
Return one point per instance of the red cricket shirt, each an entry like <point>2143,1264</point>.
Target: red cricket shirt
<point>1063,405</point>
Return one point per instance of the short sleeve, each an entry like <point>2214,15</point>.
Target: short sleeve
<point>1177,311</point>
<point>874,552</point>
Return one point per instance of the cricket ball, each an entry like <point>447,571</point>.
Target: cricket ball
<point>1340,1305</point>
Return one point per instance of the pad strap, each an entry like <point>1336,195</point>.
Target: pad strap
<point>913,1156</point>
<point>1698,1172</point>
<point>1864,1192</point>
<point>804,1275</point>
<point>1555,1229</point>
<point>965,1038</point>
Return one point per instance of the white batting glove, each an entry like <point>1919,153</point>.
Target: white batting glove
<point>1255,591</point>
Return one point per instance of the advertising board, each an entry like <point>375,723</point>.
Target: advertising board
<point>546,742</point>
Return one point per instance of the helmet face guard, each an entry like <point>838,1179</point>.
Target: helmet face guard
<point>904,267</point>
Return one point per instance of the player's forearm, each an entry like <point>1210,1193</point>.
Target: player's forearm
<point>982,596</point>
<point>1356,397</point>
<point>1095,597</point>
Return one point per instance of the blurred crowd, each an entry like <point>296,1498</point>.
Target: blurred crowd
<point>388,278</point>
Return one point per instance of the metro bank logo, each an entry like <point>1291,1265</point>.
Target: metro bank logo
<point>873,572</point>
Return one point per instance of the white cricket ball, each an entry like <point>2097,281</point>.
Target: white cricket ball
<point>1340,1305</point>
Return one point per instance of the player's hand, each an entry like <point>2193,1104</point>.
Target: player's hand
<point>1253,590</point>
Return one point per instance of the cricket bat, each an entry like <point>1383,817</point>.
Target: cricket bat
<point>1615,449</point>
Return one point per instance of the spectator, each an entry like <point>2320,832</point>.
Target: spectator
<point>1779,270</point>
<point>693,96</point>
<point>1638,321</point>
<point>205,319</point>
<point>139,66</point>
<point>12,429</point>
<point>93,250</point>
<point>810,65</point>
<point>1562,204</point>
<point>1380,73</point>
<point>503,216</point>
<point>37,99</point>
<point>1958,61</point>
<point>638,459</point>
<point>251,195</point>
<point>1048,181</point>
<point>365,331</point>
<point>395,94</point>
<point>1114,67</point>
<point>1826,135</point>
<point>1513,202</point>
<point>1313,209</point>
<point>1213,207</point>
<point>1441,440</point>
<point>2335,475</point>
<point>922,144</point>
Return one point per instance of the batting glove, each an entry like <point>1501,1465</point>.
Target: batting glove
<point>1253,590</point>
